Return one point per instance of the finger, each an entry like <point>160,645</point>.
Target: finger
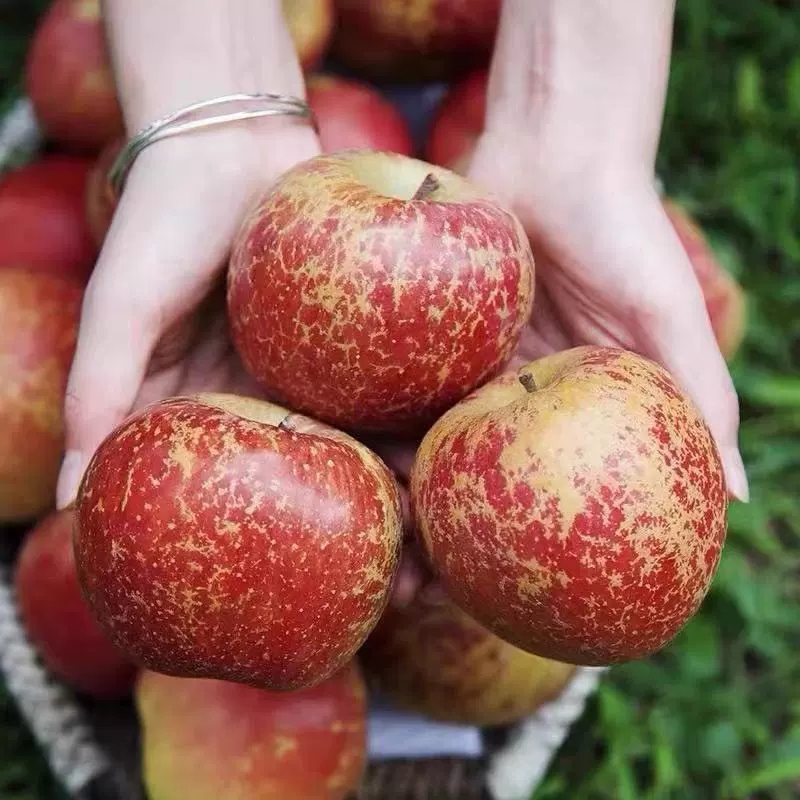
<point>673,326</point>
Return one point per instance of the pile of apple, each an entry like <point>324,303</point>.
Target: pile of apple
<point>230,559</point>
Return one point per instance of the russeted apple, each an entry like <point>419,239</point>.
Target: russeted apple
<point>224,537</point>
<point>577,508</point>
<point>42,220</point>
<point>216,740</point>
<point>57,618</point>
<point>310,24</point>
<point>39,314</point>
<point>407,41</point>
<point>372,291</point>
<point>432,658</point>
<point>454,132</point>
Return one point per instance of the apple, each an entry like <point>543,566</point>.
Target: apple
<point>40,321</point>
<point>352,114</point>
<point>224,537</point>
<point>310,24</point>
<point>415,41</point>
<point>68,77</point>
<point>577,509</point>
<point>458,122</point>
<point>210,740</point>
<point>101,199</point>
<point>42,220</point>
<point>725,300</point>
<point>57,618</point>
<point>433,659</point>
<point>372,291</point>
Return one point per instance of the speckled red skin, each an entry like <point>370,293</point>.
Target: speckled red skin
<point>100,200</point>
<point>725,299</point>
<point>310,24</point>
<point>39,314</point>
<point>210,545</point>
<point>214,740</point>
<point>42,220</point>
<point>582,521</point>
<point>57,618</point>
<point>374,313</point>
<point>69,80</point>
<point>409,40</point>
<point>353,114</point>
<point>458,123</point>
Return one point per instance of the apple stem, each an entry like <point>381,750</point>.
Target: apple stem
<point>427,187</point>
<point>285,425</point>
<point>526,379</point>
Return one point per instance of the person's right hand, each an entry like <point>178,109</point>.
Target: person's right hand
<point>167,245</point>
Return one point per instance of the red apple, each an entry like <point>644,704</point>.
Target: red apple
<point>576,509</point>
<point>433,659</point>
<point>68,77</point>
<point>214,740</point>
<point>310,24</point>
<point>352,114</point>
<point>410,40</point>
<point>458,123</point>
<point>101,199</point>
<point>40,321</point>
<point>42,220</point>
<point>725,299</point>
<point>224,537</point>
<point>56,616</point>
<point>373,291</point>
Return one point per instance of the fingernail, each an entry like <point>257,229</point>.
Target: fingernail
<point>69,478</point>
<point>736,475</point>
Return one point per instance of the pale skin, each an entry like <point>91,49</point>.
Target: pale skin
<point>570,144</point>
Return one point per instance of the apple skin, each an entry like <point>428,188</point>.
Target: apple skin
<point>214,542</point>
<point>40,321</point>
<point>310,24</point>
<point>725,299</point>
<point>42,221</point>
<point>433,659</point>
<point>582,521</point>
<point>68,77</point>
<point>352,114</point>
<point>57,618</point>
<point>210,740</point>
<point>371,311</point>
<point>415,40</point>
<point>458,123</point>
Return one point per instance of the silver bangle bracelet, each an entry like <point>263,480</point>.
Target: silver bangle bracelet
<point>185,120</point>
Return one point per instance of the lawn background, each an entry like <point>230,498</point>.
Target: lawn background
<point>718,714</point>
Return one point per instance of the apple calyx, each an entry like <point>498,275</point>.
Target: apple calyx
<point>428,186</point>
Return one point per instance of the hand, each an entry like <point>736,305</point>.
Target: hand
<point>165,250</point>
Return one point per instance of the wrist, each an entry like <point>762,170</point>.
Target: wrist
<point>585,77</point>
<point>168,56</point>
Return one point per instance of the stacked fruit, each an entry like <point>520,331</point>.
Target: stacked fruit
<point>232,557</point>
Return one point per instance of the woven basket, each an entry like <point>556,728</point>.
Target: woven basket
<point>93,748</point>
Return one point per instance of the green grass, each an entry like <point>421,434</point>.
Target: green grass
<point>718,714</point>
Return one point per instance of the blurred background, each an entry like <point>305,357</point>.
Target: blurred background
<point>717,715</point>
